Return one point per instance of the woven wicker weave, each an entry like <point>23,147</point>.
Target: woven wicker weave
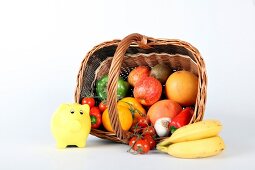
<point>119,57</point>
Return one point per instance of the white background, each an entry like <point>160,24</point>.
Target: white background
<point>42,43</point>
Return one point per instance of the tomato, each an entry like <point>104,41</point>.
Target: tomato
<point>149,131</point>
<point>96,117</point>
<point>102,106</point>
<point>142,146</point>
<point>150,140</point>
<point>88,100</point>
<point>132,141</point>
<point>142,122</point>
<point>135,128</point>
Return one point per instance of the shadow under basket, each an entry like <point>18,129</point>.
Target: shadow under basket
<point>118,57</point>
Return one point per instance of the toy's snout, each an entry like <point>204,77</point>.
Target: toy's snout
<point>74,125</point>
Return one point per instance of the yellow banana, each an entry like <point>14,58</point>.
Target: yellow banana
<point>195,149</point>
<point>195,131</point>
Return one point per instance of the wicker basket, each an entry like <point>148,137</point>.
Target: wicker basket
<point>119,57</point>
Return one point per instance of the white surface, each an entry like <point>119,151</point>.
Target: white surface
<point>42,44</point>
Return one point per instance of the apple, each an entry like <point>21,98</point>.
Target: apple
<point>138,74</point>
<point>163,109</point>
<point>148,91</point>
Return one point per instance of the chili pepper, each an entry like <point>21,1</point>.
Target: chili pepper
<point>182,119</point>
<point>101,88</point>
<point>96,117</point>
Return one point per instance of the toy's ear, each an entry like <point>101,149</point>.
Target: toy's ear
<point>61,107</point>
<point>85,108</point>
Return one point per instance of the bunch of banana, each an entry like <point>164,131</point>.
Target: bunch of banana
<point>195,140</point>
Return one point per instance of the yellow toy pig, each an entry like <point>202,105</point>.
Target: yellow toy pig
<point>71,125</point>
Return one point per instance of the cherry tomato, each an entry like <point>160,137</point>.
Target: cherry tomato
<point>135,129</point>
<point>149,131</point>
<point>150,140</point>
<point>102,106</point>
<point>142,146</point>
<point>88,100</point>
<point>142,122</point>
<point>132,141</point>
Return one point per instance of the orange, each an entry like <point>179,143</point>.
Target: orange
<point>125,118</point>
<point>182,87</point>
<point>134,106</point>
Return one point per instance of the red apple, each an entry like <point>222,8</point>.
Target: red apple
<point>137,74</point>
<point>163,109</point>
<point>148,91</point>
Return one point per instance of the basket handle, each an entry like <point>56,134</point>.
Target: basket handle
<point>114,73</point>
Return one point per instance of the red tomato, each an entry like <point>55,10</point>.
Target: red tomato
<point>149,131</point>
<point>135,129</point>
<point>150,140</point>
<point>102,106</point>
<point>88,100</point>
<point>142,122</point>
<point>142,146</point>
<point>132,141</point>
